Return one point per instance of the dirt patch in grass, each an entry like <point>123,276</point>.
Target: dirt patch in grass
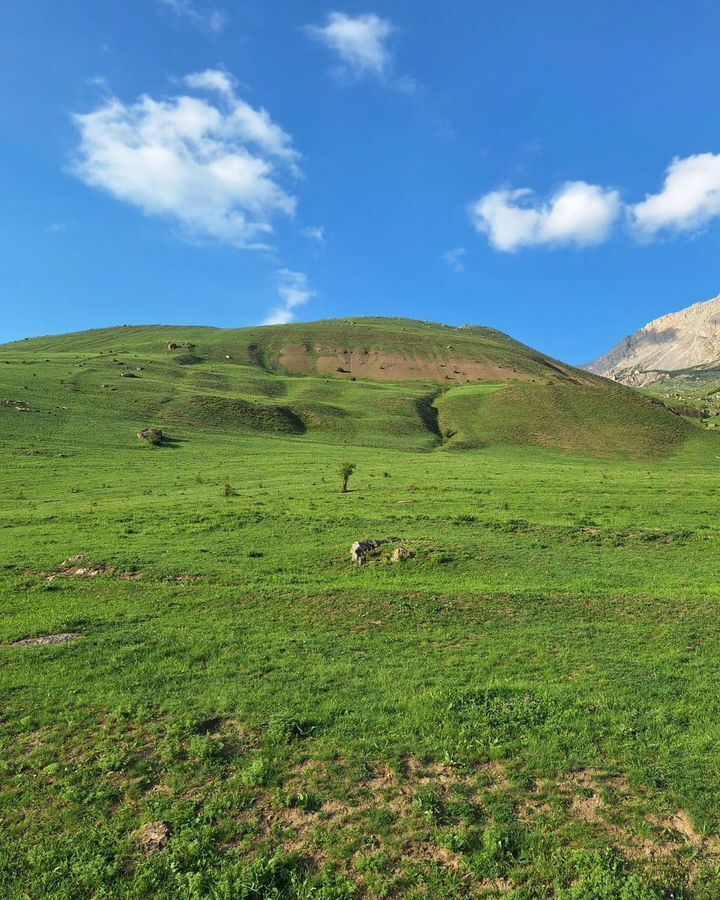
<point>606,803</point>
<point>680,825</point>
<point>153,837</point>
<point>377,823</point>
<point>48,639</point>
<point>379,365</point>
<point>296,359</point>
<point>80,567</point>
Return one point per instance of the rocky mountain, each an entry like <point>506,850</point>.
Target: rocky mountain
<point>681,341</point>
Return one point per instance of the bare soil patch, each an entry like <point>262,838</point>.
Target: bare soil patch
<point>379,365</point>
<point>153,837</point>
<point>80,567</point>
<point>296,359</point>
<point>47,639</point>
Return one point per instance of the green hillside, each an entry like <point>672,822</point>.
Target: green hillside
<point>265,346</point>
<point>373,382</point>
<point>204,698</point>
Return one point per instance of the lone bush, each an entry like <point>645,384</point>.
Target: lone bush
<point>346,470</point>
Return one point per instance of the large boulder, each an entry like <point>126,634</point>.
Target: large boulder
<point>360,550</point>
<point>400,554</point>
<point>151,435</point>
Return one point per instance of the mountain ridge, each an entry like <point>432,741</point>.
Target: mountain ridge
<point>684,340</point>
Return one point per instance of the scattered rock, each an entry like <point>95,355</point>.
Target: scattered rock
<point>172,345</point>
<point>128,375</point>
<point>77,566</point>
<point>46,639</point>
<point>73,561</point>
<point>153,836</point>
<point>18,405</point>
<point>360,550</point>
<point>89,571</point>
<point>400,554</point>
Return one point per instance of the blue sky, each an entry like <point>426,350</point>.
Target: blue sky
<point>550,169</point>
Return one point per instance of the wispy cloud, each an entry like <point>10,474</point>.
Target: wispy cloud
<point>577,213</point>
<point>688,200</point>
<point>294,291</point>
<point>314,233</point>
<point>360,42</point>
<point>213,20</point>
<point>453,259</point>
<point>56,227</point>
<point>215,166</point>
<point>211,80</point>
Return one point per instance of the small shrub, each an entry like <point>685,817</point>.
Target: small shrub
<point>346,470</point>
<point>306,801</point>
<point>430,805</point>
<point>284,729</point>
<point>229,490</point>
<point>260,772</point>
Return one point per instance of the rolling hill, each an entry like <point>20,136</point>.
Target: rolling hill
<point>369,381</point>
<point>197,675</point>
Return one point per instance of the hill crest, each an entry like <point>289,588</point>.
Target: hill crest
<point>371,348</point>
<point>371,382</point>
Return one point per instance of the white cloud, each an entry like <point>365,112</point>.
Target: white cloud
<point>578,213</point>
<point>359,41</point>
<point>211,80</point>
<point>689,199</point>
<point>453,259</point>
<point>314,233</point>
<point>56,227</point>
<point>294,291</point>
<point>215,19</point>
<point>253,125</point>
<point>214,167</point>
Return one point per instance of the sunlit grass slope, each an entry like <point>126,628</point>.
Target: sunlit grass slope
<point>588,419</point>
<point>115,381</point>
<point>527,707</point>
<point>263,346</point>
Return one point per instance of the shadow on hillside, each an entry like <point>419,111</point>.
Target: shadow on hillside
<point>172,443</point>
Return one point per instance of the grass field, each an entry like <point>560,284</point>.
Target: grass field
<point>528,707</point>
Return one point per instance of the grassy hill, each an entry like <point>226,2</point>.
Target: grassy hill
<point>374,382</point>
<point>527,707</point>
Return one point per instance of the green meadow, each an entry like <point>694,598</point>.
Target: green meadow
<point>528,707</point>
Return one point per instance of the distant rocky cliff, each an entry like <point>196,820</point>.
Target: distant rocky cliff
<point>688,339</point>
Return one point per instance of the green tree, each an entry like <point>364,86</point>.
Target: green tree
<point>346,470</point>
